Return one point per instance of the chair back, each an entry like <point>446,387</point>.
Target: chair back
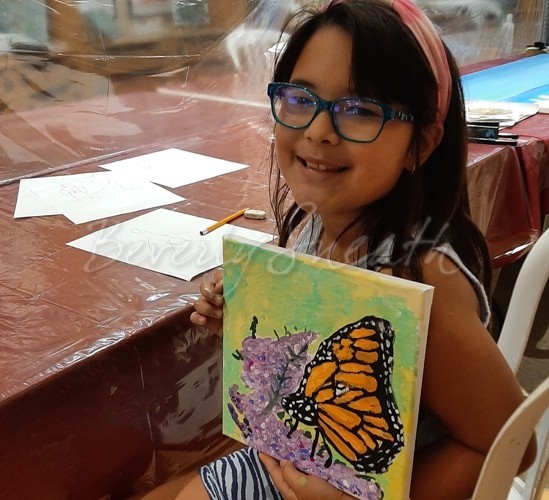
<point>503,459</point>
<point>524,302</point>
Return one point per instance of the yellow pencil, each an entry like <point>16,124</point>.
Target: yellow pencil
<point>223,221</point>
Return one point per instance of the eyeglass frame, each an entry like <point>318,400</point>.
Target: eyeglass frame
<point>389,113</point>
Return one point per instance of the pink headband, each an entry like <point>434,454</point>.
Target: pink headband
<point>429,40</point>
<point>431,44</point>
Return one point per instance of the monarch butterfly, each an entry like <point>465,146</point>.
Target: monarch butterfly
<point>346,395</point>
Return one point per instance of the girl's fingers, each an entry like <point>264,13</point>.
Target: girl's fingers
<point>275,471</point>
<point>206,308</point>
<point>218,277</point>
<point>215,325</point>
<point>198,319</point>
<point>296,480</point>
<point>295,485</point>
<point>212,292</point>
<point>218,288</point>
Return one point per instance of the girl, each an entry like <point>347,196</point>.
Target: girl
<point>378,180</point>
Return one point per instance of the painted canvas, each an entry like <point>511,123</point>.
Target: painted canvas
<point>322,365</point>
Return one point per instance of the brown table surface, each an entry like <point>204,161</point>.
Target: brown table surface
<point>534,161</point>
<point>101,372</point>
<point>100,368</point>
<point>532,152</point>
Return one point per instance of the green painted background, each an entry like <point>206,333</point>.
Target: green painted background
<point>290,290</point>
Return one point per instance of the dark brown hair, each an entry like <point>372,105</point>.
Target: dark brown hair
<point>429,206</point>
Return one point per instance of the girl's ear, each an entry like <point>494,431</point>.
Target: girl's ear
<point>430,139</point>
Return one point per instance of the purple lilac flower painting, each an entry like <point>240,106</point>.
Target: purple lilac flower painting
<point>322,365</point>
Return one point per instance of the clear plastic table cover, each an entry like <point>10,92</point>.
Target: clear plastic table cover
<point>105,389</point>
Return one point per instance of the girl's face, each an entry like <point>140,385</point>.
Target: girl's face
<point>327,174</point>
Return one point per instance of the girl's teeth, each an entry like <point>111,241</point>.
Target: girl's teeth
<point>322,168</point>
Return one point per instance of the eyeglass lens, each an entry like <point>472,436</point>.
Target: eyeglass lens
<point>355,119</point>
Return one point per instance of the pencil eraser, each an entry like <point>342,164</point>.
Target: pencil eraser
<point>255,214</point>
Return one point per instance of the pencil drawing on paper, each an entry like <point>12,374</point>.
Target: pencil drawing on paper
<point>93,187</point>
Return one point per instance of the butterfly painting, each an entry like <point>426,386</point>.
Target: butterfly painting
<point>346,395</point>
<point>322,366</point>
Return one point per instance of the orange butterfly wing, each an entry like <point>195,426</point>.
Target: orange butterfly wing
<point>346,395</point>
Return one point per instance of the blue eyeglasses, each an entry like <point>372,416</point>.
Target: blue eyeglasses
<point>356,119</point>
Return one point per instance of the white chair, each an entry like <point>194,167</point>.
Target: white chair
<point>523,305</point>
<point>500,467</point>
<point>498,471</point>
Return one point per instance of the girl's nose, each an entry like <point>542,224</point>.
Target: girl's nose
<point>322,129</point>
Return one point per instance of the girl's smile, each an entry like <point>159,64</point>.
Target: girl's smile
<point>320,166</point>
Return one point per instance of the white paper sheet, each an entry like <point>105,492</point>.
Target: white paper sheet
<point>507,113</point>
<point>30,204</point>
<point>87,197</point>
<point>174,167</point>
<point>165,241</point>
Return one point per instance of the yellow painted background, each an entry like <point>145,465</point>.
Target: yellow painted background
<point>299,292</point>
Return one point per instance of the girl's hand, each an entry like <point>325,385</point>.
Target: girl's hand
<point>208,309</point>
<point>294,485</point>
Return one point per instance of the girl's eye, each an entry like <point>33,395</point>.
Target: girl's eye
<point>300,101</point>
<point>361,110</point>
